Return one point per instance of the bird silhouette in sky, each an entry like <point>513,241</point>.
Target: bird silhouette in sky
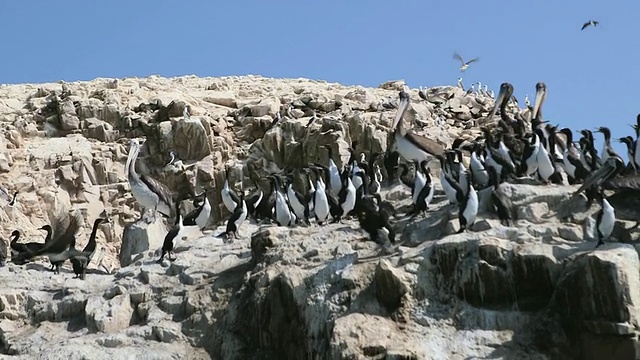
<point>465,65</point>
<point>588,23</point>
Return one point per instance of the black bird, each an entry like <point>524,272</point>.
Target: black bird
<point>80,263</point>
<point>17,247</point>
<point>172,236</point>
<point>373,219</point>
<point>390,161</point>
<point>590,23</point>
<point>56,248</point>
<point>500,202</point>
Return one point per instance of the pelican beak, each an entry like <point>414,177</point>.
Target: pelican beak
<point>503,96</point>
<point>541,94</point>
<point>402,107</point>
<point>598,176</point>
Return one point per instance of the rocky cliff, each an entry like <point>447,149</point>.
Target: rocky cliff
<point>533,290</point>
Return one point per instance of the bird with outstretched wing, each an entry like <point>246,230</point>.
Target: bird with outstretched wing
<point>464,65</point>
<point>590,23</point>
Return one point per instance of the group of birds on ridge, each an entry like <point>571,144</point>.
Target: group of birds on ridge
<point>516,149</point>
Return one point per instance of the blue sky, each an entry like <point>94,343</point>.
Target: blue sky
<point>591,75</point>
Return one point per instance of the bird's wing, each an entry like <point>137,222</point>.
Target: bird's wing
<point>457,56</point>
<point>472,60</point>
<point>585,25</point>
<point>159,188</point>
<point>629,182</point>
<point>190,218</point>
<point>597,177</point>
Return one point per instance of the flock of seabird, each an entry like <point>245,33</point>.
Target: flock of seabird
<point>517,149</point>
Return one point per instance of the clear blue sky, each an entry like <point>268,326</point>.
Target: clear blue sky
<point>591,75</point>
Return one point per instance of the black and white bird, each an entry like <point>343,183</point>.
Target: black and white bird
<point>229,197</point>
<point>605,221</point>
<point>200,215</point>
<point>281,209</point>
<point>237,218</point>
<point>593,23</point>
<point>423,189</point>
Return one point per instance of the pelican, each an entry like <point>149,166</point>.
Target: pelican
<point>412,147</point>
<point>148,192</point>
<point>465,65</point>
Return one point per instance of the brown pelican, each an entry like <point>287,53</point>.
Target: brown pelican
<point>590,23</point>
<point>148,192</point>
<point>412,147</point>
<point>465,65</point>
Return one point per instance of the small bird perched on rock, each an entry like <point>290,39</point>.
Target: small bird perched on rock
<point>465,65</point>
<point>590,23</point>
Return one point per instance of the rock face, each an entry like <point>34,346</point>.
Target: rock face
<point>534,290</point>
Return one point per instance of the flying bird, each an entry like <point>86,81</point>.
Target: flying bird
<point>590,22</point>
<point>465,65</point>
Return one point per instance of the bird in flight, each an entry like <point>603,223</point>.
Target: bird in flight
<point>590,22</point>
<point>465,65</point>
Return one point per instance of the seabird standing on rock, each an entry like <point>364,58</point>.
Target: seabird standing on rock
<point>172,236</point>
<point>237,218</point>
<point>500,202</point>
<point>149,193</point>
<point>424,192</point>
<point>464,65</point>
<point>412,147</point>
<point>468,200</point>
<point>297,202</point>
<point>346,198</point>
<point>81,262</point>
<point>57,248</point>
<point>229,197</point>
<point>281,209</point>
<point>320,199</point>
<point>335,183</point>
<point>605,221</point>
<point>200,215</point>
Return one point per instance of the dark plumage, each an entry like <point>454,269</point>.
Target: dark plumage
<point>589,23</point>
<point>56,248</point>
<point>373,218</point>
<point>171,237</point>
<point>81,262</point>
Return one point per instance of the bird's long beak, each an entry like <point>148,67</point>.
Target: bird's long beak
<point>402,107</point>
<point>541,94</point>
<point>502,97</point>
<point>602,173</point>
